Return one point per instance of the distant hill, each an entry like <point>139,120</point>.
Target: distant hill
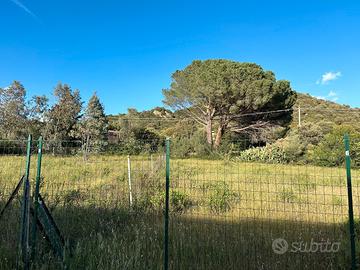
<point>324,112</point>
<point>314,111</point>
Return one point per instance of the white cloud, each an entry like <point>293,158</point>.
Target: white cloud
<point>23,7</point>
<point>332,94</point>
<point>328,76</point>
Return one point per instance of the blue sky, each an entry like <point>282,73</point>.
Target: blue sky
<point>127,50</point>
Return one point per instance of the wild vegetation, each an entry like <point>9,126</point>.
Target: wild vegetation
<point>245,170</point>
<point>218,207</point>
<point>215,108</point>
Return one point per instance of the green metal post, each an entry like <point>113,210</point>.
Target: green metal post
<point>28,158</point>
<point>25,214</point>
<point>167,195</point>
<point>36,198</point>
<point>350,202</point>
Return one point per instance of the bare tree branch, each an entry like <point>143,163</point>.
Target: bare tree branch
<point>198,119</point>
<point>258,125</point>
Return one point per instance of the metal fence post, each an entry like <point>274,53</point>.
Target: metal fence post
<point>151,163</point>
<point>36,198</point>
<point>25,213</point>
<point>129,181</point>
<point>167,194</point>
<point>350,202</point>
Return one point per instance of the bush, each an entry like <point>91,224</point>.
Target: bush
<point>12,147</point>
<point>181,147</point>
<point>311,133</point>
<point>289,149</point>
<point>200,145</point>
<point>193,145</point>
<point>287,195</point>
<point>221,198</point>
<point>137,141</point>
<point>331,151</point>
<point>232,144</point>
<point>179,201</point>
<point>74,197</point>
<point>293,148</point>
<point>271,153</point>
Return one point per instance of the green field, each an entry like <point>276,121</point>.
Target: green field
<point>224,214</point>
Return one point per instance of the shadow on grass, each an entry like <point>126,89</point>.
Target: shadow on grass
<point>115,238</point>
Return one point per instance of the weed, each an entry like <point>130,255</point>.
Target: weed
<point>287,195</point>
<point>221,198</point>
<point>337,200</point>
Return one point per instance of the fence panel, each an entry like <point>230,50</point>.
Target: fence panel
<point>231,213</point>
<point>244,211</point>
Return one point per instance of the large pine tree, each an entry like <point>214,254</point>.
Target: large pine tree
<point>231,94</point>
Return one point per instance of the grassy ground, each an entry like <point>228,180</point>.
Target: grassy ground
<point>224,214</point>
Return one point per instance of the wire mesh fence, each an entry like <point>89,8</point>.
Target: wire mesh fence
<point>225,212</point>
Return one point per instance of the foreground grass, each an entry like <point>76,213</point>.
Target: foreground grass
<point>224,214</point>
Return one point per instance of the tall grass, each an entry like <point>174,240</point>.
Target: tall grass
<point>224,214</point>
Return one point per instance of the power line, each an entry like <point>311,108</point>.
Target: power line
<point>303,110</point>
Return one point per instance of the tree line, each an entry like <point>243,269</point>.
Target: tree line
<point>65,121</point>
<point>212,93</point>
<point>212,107</point>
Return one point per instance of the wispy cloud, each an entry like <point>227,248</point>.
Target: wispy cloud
<point>332,96</point>
<point>23,7</point>
<point>328,76</point>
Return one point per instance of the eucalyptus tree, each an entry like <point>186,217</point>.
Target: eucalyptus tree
<point>12,110</point>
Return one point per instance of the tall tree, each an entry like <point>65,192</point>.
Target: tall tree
<point>233,94</point>
<point>64,115</point>
<point>12,110</point>
<point>37,109</point>
<point>94,126</point>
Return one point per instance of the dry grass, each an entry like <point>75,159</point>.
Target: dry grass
<point>225,214</point>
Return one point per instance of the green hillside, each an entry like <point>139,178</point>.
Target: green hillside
<point>315,111</point>
<point>324,112</point>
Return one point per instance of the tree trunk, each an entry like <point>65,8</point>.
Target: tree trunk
<point>220,132</point>
<point>209,132</point>
<point>86,148</point>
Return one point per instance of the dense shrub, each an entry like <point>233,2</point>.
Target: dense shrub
<point>200,145</point>
<point>331,151</point>
<point>197,146</point>
<point>221,198</point>
<point>311,133</point>
<point>271,153</point>
<point>137,141</point>
<point>232,144</point>
<point>181,147</point>
<point>287,195</point>
<point>293,148</point>
<point>179,201</point>
<point>193,145</point>
<point>308,144</point>
<point>12,147</point>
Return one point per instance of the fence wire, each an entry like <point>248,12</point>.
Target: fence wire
<point>225,212</point>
